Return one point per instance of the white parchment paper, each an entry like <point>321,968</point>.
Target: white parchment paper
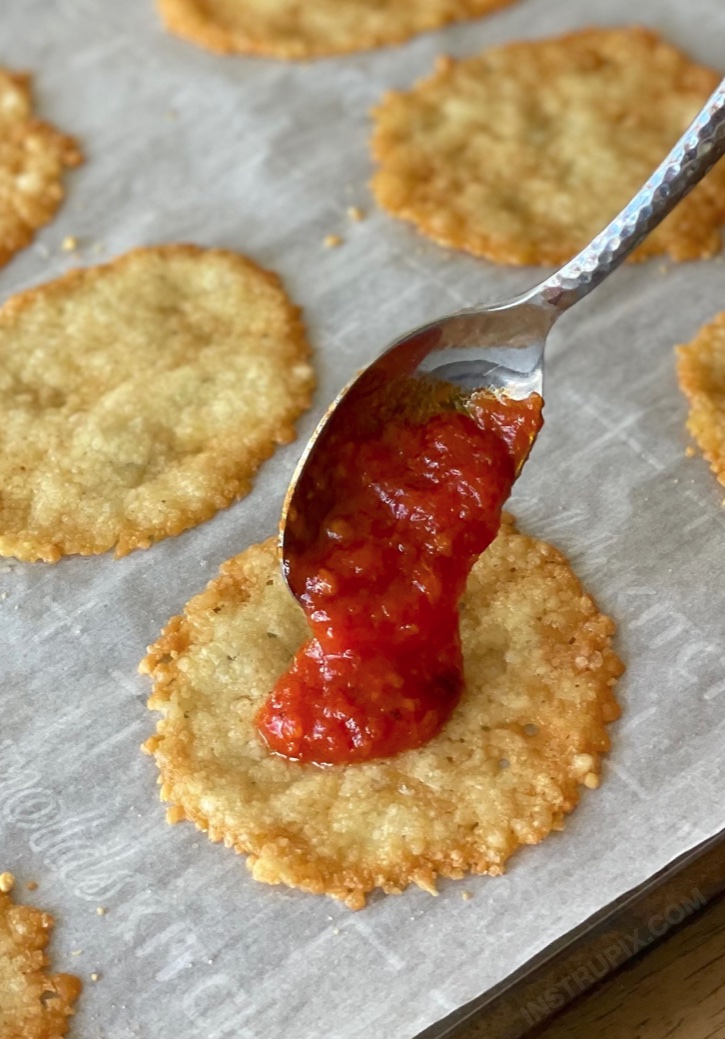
<point>264,158</point>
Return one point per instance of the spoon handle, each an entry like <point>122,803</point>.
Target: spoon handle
<point>697,151</point>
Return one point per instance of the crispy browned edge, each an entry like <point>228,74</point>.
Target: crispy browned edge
<point>67,987</point>
<point>693,246</point>
<point>235,488</point>
<point>352,886</point>
<point>70,155</point>
<point>709,437</point>
<point>183,18</point>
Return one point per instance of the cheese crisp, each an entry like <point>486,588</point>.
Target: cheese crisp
<point>33,1004</point>
<point>33,156</point>
<point>701,372</point>
<point>504,770</point>
<point>140,397</point>
<point>524,153</point>
<point>311,28</point>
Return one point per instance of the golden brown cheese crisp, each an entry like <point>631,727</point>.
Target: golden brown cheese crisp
<point>33,157</point>
<point>701,373</point>
<point>139,398</point>
<point>311,28</point>
<point>504,771</point>
<point>524,153</point>
<point>33,1004</point>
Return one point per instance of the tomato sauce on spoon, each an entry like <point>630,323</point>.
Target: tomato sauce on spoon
<point>415,505</point>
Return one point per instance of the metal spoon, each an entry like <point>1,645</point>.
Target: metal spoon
<point>497,347</point>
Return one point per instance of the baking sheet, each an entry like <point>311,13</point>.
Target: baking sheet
<point>265,158</point>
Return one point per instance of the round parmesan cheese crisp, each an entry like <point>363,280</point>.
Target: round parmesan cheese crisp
<point>140,397</point>
<point>523,153</point>
<point>311,28</point>
<point>504,770</point>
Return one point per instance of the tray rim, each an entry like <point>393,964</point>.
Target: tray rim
<point>568,945</point>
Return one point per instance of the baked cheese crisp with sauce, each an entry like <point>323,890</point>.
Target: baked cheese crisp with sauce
<point>523,153</point>
<point>527,733</point>
<point>140,397</point>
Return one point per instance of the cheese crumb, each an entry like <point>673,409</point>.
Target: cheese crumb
<point>69,243</point>
<point>582,764</point>
<point>95,976</point>
<point>466,896</point>
<point>101,910</point>
<point>331,241</point>
<point>591,780</point>
<point>6,882</point>
<point>689,452</point>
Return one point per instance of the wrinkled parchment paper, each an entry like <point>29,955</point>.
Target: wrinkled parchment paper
<point>265,158</point>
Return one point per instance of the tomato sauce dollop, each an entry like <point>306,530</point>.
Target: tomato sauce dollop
<point>416,504</point>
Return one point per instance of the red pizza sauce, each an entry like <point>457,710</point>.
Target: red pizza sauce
<point>415,506</point>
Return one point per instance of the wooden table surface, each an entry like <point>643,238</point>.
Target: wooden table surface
<point>676,991</point>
